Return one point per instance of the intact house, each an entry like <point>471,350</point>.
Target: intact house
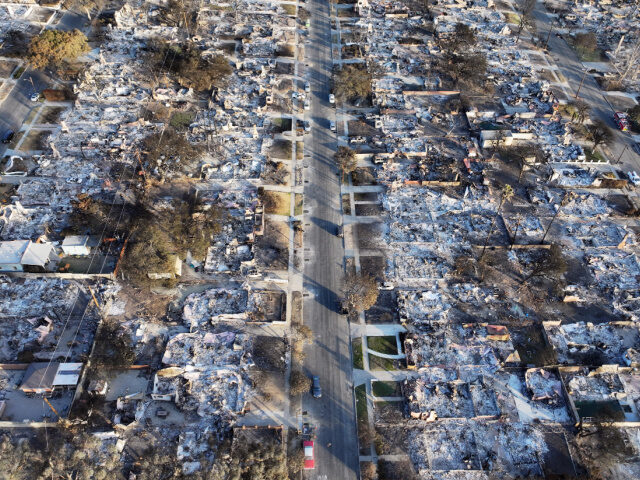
<point>25,255</point>
<point>79,245</point>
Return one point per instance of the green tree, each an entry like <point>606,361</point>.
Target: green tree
<point>634,114</point>
<point>465,68</point>
<point>52,47</point>
<point>159,238</point>
<point>463,38</point>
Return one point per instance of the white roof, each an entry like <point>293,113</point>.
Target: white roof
<point>75,240</point>
<point>11,252</point>
<point>67,374</point>
<point>36,254</point>
<point>25,252</point>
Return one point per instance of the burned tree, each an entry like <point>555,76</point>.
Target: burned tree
<point>360,292</point>
<point>599,133</point>
<point>346,160</point>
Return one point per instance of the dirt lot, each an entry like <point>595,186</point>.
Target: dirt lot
<point>36,140</point>
<point>49,115</point>
<point>6,67</point>
<point>369,235</point>
<point>363,176</point>
<point>278,203</point>
<point>272,249</point>
<point>358,128</point>
<point>368,209</point>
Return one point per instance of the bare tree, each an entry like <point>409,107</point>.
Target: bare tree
<point>527,20</point>
<point>599,133</point>
<point>346,160</point>
<point>360,292</point>
<point>581,110</point>
<point>550,263</point>
<point>507,193</point>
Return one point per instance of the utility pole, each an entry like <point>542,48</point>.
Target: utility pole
<point>621,154</point>
<point>581,82</point>
<point>546,42</point>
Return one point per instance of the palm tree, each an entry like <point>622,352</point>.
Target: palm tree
<point>507,193</point>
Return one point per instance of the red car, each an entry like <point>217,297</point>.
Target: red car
<point>621,121</point>
<point>309,460</point>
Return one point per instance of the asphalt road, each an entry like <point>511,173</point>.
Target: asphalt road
<point>329,356</point>
<point>16,107</point>
<point>573,70</point>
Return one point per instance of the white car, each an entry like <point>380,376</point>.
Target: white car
<point>307,87</point>
<point>332,126</point>
<point>332,98</point>
<point>386,286</point>
<point>634,177</point>
<point>307,104</point>
<point>34,97</point>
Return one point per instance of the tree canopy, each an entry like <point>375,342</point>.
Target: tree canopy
<point>52,47</point>
<point>346,159</point>
<point>360,292</point>
<point>190,68</point>
<point>599,133</point>
<point>352,82</point>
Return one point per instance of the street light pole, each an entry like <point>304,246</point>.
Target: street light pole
<point>580,86</point>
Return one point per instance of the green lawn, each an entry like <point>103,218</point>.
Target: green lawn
<point>358,360</point>
<point>361,403</point>
<point>385,345</point>
<point>379,363</point>
<point>594,156</point>
<point>385,389</point>
<point>512,18</point>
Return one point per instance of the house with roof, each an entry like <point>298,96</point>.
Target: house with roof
<point>26,256</point>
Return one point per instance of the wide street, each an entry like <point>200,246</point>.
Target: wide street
<point>573,70</point>
<point>329,355</point>
<point>16,107</point>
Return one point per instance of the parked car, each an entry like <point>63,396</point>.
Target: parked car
<point>636,148</point>
<point>634,178</point>
<point>307,104</point>
<point>386,286</point>
<point>307,87</point>
<point>339,231</point>
<point>34,97</point>
<point>332,126</point>
<point>309,458</point>
<point>316,391</point>
<point>307,126</point>
<point>8,136</point>
<point>332,98</point>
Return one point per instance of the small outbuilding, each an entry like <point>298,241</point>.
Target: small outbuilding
<point>76,245</point>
